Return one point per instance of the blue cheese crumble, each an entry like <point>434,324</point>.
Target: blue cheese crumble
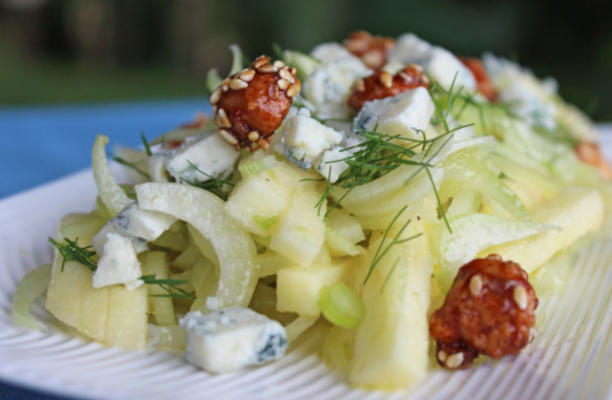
<point>439,64</point>
<point>406,114</point>
<point>202,157</point>
<point>231,339</point>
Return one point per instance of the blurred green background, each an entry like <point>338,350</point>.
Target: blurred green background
<point>73,51</point>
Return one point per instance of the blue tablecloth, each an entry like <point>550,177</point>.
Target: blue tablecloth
<point>40,144</point>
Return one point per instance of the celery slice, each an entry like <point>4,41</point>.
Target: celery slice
<point>112,195</point>
<point>233,246</point>
<point>31,286</point>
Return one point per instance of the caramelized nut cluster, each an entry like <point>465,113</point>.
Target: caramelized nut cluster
<point>382,84</point>
<point>484,84</point>
<point>372,50</point>
<point>489,309</point>
<point>590,153</point>
<point>251,104</point>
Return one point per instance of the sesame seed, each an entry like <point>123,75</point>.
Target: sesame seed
<point>475,285</point>
<point>227,136</point>
<point>263,144</point>
<point>267,69</point>
<point>247,75</point>
<point>293,71</point>
<point>416,67</point>
<point>237,84</point>
<point>224,87</point>
<point>520,296</point>
<point>425,79</point>
<point>285,74</point>
<point>215,96</point>
<point>279,64</point>
<point>293,90</point>
<point>359,85</point>
<point>253,136</point>
<point>386,79</point>
<point>260,62</point>
<point>283,83</point>
<point>222,119</point>
<point>254,146</point>
<point>442,355</point>
<point>407,78</point>
<point>454,360</point>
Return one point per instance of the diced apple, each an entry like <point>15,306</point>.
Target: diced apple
<point>575,211</point>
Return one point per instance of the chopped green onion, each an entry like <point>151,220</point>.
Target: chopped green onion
<point>254,167</point>
<point>341,306</point>
<point>265,222</point>
<point>213,80</point>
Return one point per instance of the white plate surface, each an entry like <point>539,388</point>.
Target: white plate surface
<point>570,358</point>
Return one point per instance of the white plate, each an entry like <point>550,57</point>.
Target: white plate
<point>570,357</point>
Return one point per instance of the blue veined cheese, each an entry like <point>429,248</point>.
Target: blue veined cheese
<point>212,156</point>
<point>410,49</point>
<point>139,226</point>
<point>306,139</point>
<point>232,338</point>
<point>526,96</point>
<point>330,165</point>
<point>332,51</point>
<point>329,86</point>
<point>404,114</point>
<point>118,264</point>
<point>438,63</point>
<point>156,165</point>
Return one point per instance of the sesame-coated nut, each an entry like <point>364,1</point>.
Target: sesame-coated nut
<point>251,104</point>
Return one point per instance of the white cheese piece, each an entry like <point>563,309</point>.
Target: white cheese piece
<point>136,224</point>
<point>148,225</point>
<point>439,64</point>
<point>306,139</point>
<point>330,166</point>
<point>212,156</point>
<point>232,338</point>
<point>100,238</point>
<point>526,96</point>
<point>405,114</point>
<point>118,264</point>
<point>327,52</point>
<point>410,49</point>
<point>329,86</point>
<point>156,165</point>
<point>443,67</point>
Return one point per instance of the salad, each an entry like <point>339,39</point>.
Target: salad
<point>413,205</point>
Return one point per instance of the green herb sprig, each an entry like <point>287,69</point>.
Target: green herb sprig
<point>213,184</point>
<point>383,247</point>
<point>131,165</point>
<point>72,251</point>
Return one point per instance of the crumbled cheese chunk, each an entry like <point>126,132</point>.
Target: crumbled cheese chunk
<point>526,96</point>
<point>118,264</point>
<point>326,52</point>
<point>157,167</point>
<point>136,224</point>
<point>197,160</point>
<point>405,114</point>
<point>232,338</point>
<point>306,139</point>
<point>329,164</point>
<point>329,86</point>
<point>439,64</point>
